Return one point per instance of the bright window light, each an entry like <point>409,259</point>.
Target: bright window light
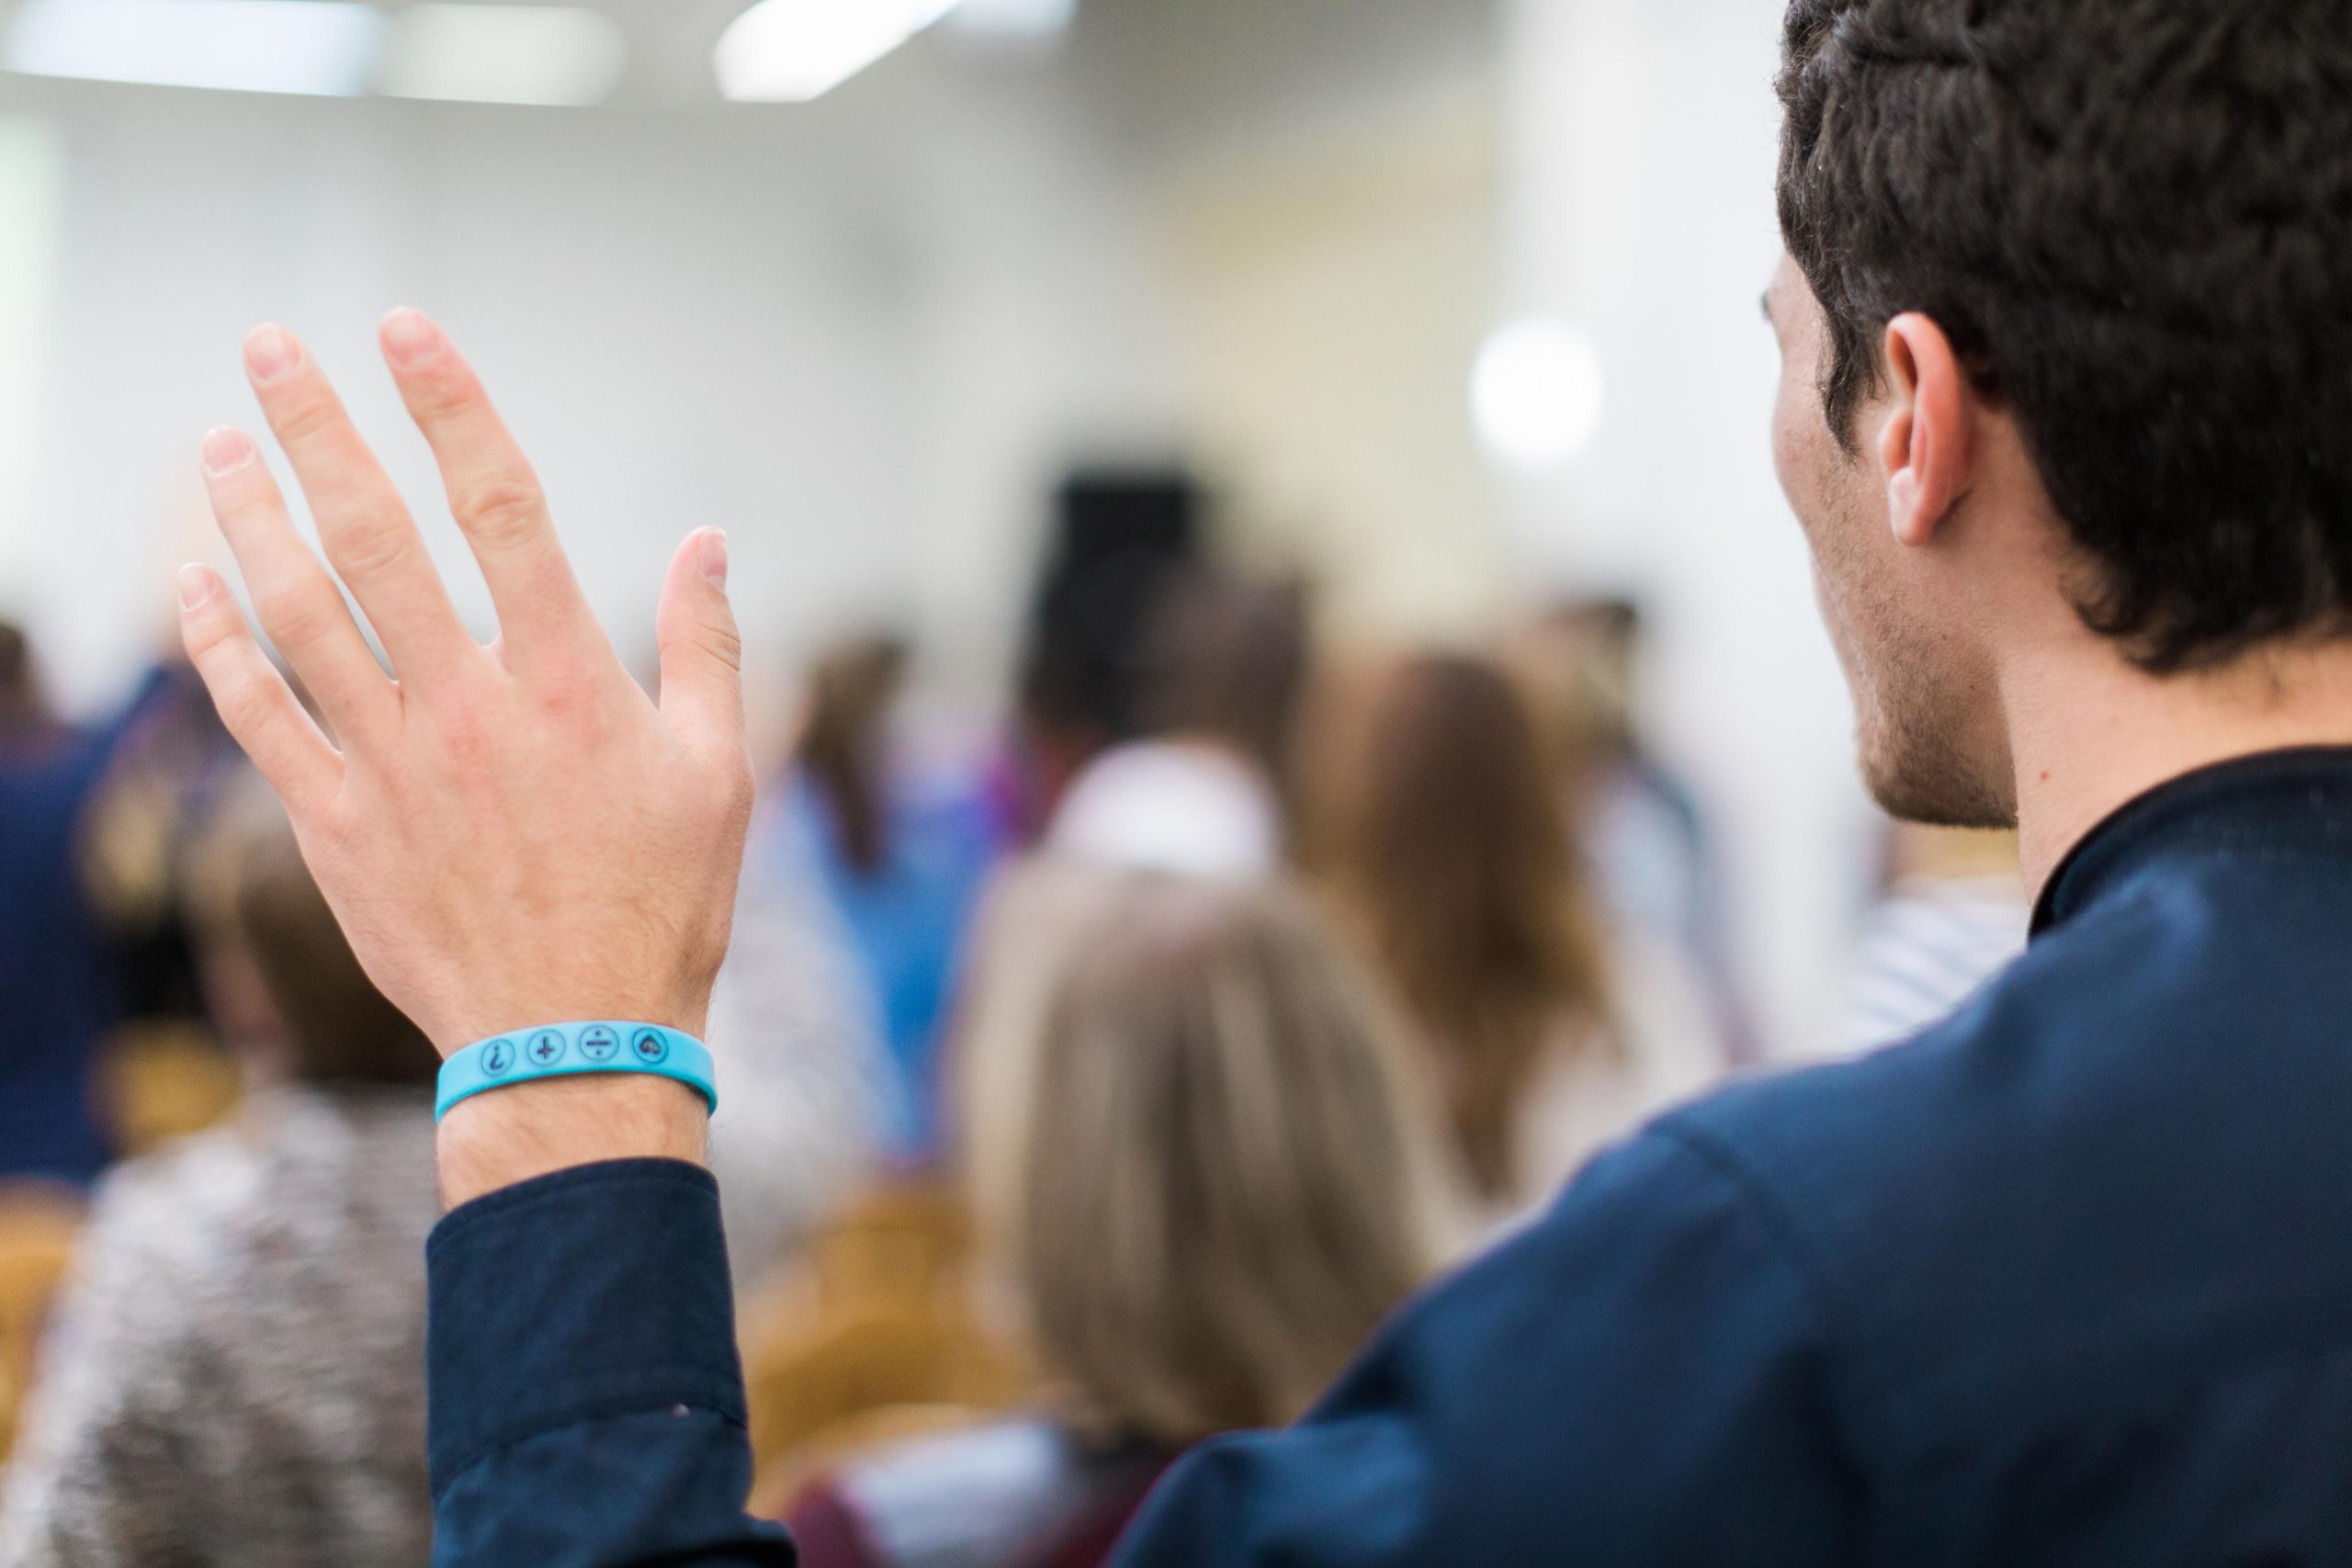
<point>1014,18</point>
<point>1536,393</point>
<point>317,47</point>
<point>502,54</point>
<point>792,51</point>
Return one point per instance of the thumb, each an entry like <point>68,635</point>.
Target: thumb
<point>702,653</point>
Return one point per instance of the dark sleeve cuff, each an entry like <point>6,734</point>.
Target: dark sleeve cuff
<point>590,1294</point>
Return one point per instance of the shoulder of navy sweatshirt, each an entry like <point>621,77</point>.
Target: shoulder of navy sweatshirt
<point>2063,1280</point>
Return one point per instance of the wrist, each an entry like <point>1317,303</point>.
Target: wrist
<point>535,1129</point>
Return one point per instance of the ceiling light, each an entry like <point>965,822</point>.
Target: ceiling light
<point>316,47</point>
<point>502,54</point>
<point>1014,18</point>
<point>792,51</point>
<point>1536,393</point>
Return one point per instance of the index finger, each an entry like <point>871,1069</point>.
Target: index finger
<point>493,493</point>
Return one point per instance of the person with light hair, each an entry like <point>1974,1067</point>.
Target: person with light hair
<point>1203,1177</point>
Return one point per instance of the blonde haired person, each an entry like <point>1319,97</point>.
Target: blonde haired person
<point>1429,825</point>
<point>1204,1176</point>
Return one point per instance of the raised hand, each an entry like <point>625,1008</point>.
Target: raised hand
<point>511,834</point>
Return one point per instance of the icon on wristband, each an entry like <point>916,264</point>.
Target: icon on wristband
<point>553,1051</point>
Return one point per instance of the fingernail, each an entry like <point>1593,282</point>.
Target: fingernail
<point>270,352</point>
<point>713,554</point>
<point>226,450</point>
<point>410,338</point>
<point>196,585</point>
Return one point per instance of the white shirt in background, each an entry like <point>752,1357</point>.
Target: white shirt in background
<point>1185,809</point>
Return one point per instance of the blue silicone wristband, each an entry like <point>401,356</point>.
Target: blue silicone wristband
<point>569,1050</point>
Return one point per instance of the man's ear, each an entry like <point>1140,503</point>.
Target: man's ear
<point>1924,449</point>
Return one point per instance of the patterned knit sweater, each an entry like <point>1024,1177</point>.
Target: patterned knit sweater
<point>235,1374</point>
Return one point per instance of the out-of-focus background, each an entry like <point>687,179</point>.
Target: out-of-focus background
<point>868,333</point>
<point>1253,502</point>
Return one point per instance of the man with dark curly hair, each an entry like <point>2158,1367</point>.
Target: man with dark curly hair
<point>2067,420</point>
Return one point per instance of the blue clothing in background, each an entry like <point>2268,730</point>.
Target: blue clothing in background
<point>2065,1280</point>
<point>58,985</point>
<point>907,921</point>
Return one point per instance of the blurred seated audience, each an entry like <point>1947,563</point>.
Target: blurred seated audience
<point>876,1333</point>
<point>1952,915</point>
<point>235,1372</point>
<point>1200,789</point>
<point>797,1041</point>
<point>1202,1173</point>
<point>1637,825</point>
<point>60,987</point>
<point>1430,825</point>
<point>163,1071</point>
<point>899,846</point>
<point>38,1224</point>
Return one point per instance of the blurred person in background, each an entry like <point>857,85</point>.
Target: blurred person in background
<point>1201,1168</point>
<point>1431,828</point>
<point>899,846</point>
<point>1638,825</point>
<point>812,1102</point>
<point>60,981</point>
<point>234,1375</point>
<point>164,1069</point>
<point>1953,913</point>
<point>1200,790</point>
<point>1120,540</point>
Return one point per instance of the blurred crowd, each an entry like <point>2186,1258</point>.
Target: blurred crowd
<point>1087,1090</point>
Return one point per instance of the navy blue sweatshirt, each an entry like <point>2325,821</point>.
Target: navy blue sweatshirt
<point>2068,1279</point>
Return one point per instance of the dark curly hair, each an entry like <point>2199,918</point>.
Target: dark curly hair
<point>2133,219</point>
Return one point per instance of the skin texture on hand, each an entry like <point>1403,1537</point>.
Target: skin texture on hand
<point>510,835</point>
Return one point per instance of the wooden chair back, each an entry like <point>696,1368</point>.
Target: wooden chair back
<point>877,1329</point>
<point>36,1230</point>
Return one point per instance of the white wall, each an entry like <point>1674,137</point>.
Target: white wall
<point>861,335</point>
<point>1639,203</point>
<point>1333,285</point>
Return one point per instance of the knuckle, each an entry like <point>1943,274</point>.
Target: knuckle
<point>248,706</point>
<point>723,640</point>
<point>563,692</point>
<point>502,509</point>
<point>371,544</point>
<point>304,417</point>
<point>715,636</point>
<point>442,393</point>
<point>207,630</point>
<point>469,724</point>
<point>298,618</point>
